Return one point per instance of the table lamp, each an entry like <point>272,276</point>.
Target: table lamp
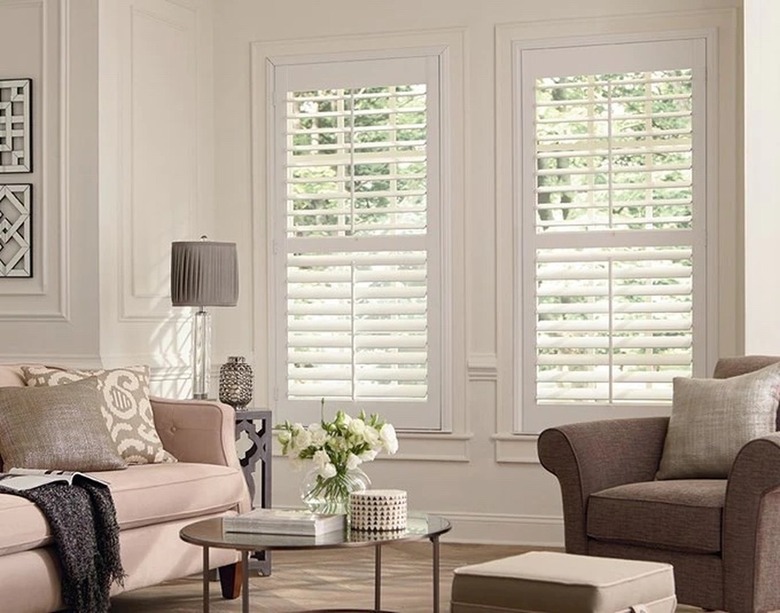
<point>203,273</point>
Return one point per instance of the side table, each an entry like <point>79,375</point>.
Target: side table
<point>256,424</point>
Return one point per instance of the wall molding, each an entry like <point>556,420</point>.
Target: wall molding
<point>423,447</point>
<point>72,360</point>
<point>152,304</point>
<point>504,529</point>
<point>515,448</point>
<point>54,77</point>
<point>482,367</point>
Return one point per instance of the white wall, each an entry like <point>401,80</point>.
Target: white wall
<point>123,165</point>
<point>156,175</point>
<point>54,313</point>
<point>486,480</point>
<point>762,163</point>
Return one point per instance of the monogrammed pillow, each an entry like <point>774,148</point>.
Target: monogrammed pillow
<point>126,407</point>
<point>713,418</point>
<point>56,428</point>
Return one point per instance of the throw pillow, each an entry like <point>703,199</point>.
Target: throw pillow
<point>56,428</point>
<point>125,407</point>
<point>713,418</point>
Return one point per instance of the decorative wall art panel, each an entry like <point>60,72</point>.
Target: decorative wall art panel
<point>15,125</point>
<point>15,231</point>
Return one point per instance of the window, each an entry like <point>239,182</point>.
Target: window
<point>612,208</point>
<point>357,238</point>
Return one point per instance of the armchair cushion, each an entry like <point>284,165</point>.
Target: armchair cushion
<point>680,515</point>
<point>713,418</point>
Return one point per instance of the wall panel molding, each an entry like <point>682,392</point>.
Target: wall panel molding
<point>46,296</point>
<point>159,154</point>
<point>515,448</point>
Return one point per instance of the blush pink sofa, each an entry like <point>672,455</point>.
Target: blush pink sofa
<point>153,502</point>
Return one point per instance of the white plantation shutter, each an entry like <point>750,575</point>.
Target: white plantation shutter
<point>613,250</point>
<point>357,260</point>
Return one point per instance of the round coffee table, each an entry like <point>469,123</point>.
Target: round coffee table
<point>210,533</point>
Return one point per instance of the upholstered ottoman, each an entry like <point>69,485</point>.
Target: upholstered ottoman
<point>550,582</point>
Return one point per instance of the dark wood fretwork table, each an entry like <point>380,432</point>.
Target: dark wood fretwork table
<point>256,425</point>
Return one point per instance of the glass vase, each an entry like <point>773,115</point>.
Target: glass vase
<point>332,495</point>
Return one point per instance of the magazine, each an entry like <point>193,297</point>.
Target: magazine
<point>22,479</point>
<point>285,521</point>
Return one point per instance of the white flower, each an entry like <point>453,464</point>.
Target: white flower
<point>368,455</point>
<point>320,459</point>
<point>353,461</point>
<point>389,438</point>
<point>327,471</point>
<point>318,435</point>
<point>302,440</point>
<point>284,437</point>
<point>371,436</point>
<point>357,427</point>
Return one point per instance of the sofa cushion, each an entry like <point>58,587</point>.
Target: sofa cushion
<point>56,428</point>
<point>143,495</point>
<point>11,375</point>
<point>126,407</point>
<point>155,493</point>
<point>713,418</point>
<point>681,515</point>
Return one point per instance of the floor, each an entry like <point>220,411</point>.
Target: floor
<point>340,578</point>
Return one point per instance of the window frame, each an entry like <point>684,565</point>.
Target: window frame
<point>439,419</point>
<point>527,416</point>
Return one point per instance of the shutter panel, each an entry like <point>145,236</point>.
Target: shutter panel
<point>612,238</point>
<point>359,246</point>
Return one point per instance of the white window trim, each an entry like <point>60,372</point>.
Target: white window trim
<point>720,29</point>
<point>452,410</point>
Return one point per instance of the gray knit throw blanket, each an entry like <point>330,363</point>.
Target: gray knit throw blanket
<point>86,535</point>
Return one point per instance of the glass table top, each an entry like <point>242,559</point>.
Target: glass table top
<point>210,533</point>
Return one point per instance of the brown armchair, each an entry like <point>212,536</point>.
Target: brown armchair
<point>721,535</point>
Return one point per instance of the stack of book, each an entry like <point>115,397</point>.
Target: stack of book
<point>285,521</point>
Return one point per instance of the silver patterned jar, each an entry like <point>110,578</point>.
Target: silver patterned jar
<point>235,382</point>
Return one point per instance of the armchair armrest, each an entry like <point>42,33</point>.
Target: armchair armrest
<point>751,527</point>
<point>197,430</point>
<point>591,456</point>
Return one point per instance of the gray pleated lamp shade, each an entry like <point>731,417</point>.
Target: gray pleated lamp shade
<point>204,273</point>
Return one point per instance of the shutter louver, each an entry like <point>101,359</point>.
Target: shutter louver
<point>613,237</point>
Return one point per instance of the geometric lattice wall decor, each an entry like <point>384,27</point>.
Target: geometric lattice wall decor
<point>15,125</point>
<point>15,231</point>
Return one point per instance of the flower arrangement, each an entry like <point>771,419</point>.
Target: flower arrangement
<point>336,448</point>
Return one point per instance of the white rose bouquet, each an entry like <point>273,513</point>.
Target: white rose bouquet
<point>336,448</point>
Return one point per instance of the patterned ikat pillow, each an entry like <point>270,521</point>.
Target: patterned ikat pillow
<point>126,407</point>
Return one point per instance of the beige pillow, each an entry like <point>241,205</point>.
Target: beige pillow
<point>713,418</point>
<point>56,428</point>
<point>125,407</point>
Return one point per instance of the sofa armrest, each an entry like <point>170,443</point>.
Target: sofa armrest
<point>197,430</point>
<point>592,456</point>
<point>751,527</point>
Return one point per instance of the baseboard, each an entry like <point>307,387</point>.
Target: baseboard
<point>504,529</point>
